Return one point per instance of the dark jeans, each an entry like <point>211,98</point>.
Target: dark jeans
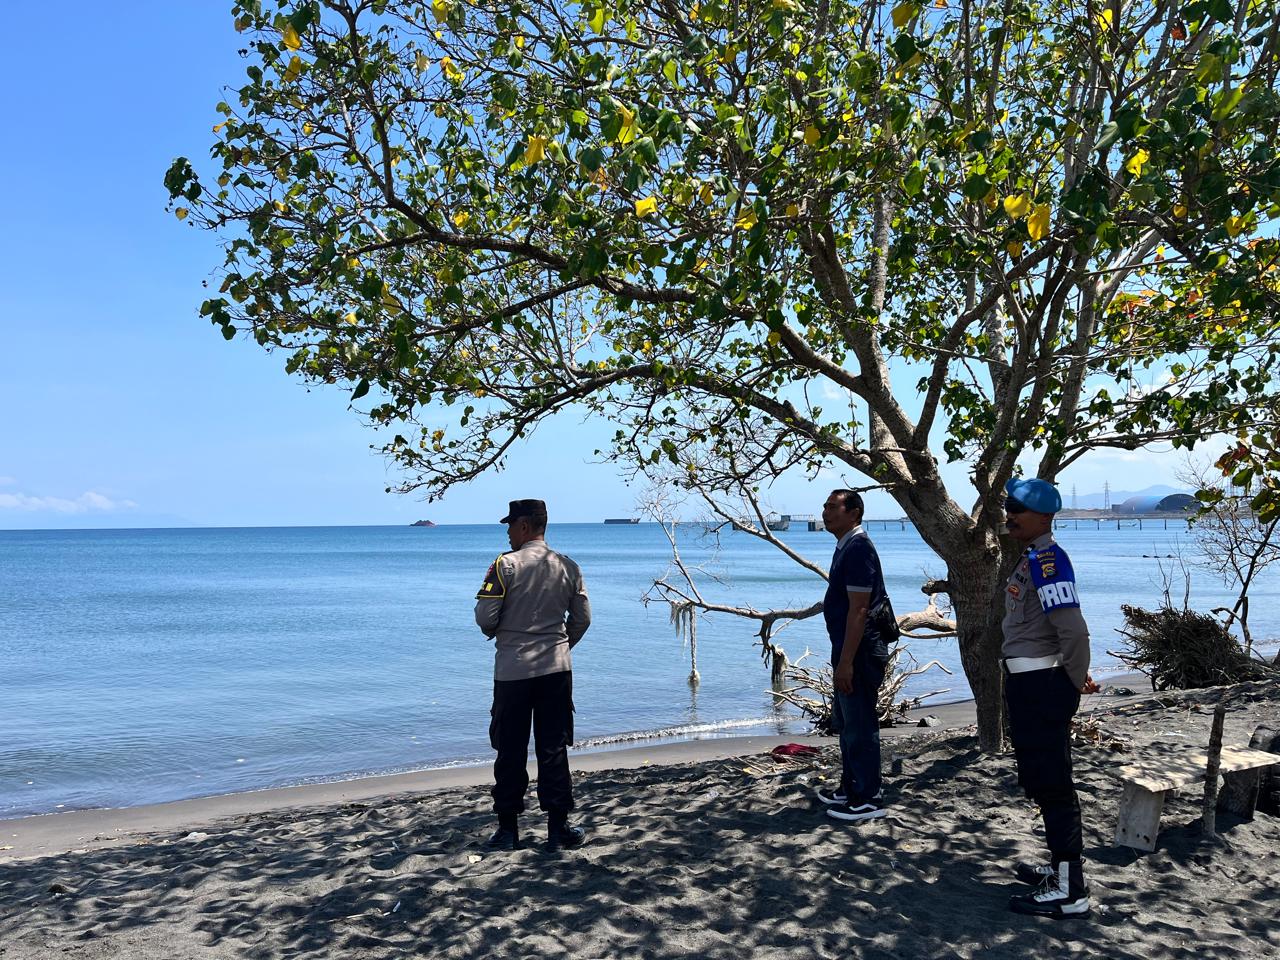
<point>547,702</point>
<point>1041,704</point>
<point>855,719</point>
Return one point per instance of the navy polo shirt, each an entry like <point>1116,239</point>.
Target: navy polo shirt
<point>855,568</point>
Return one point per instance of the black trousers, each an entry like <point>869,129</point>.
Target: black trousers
<point>1040,706</point>
<point>547,703</point>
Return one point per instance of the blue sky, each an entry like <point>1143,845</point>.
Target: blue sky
<point>121,406</point>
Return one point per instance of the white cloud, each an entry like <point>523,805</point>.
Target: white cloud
<point>7,481</point>
<point>89,502</point>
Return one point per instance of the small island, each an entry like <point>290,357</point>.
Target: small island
<point>423,523</point>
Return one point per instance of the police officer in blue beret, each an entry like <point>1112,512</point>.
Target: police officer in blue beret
<point>1045,656</point>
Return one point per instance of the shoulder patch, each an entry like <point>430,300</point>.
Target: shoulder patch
<point>493,588</point>
<point>1053,579</point>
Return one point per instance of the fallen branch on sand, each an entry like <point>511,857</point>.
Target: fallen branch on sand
<point>810,689</point>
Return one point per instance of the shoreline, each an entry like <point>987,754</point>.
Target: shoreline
<point>713,859</point>
<point>77,831</point>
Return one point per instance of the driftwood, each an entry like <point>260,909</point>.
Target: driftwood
<point>1182,649</point>
<point>810,689</point>
<point>1208,818</point>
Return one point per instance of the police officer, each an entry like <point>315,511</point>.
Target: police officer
<point>1046,665</point>
<point>534,604</point>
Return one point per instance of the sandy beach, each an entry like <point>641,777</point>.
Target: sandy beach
<point>708,848</point>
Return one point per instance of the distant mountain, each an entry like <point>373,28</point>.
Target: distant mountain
<point>1094,501</point>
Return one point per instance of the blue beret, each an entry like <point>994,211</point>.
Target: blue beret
<point>1038,495</point>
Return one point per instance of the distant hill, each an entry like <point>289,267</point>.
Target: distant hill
<point>1094,501</point>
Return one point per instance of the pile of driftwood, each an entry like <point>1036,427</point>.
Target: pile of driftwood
<point>1182,649</point>
<point>809,690</point>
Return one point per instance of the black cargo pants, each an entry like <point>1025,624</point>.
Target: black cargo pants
<point>1040,705</point>
<point>546,702</point>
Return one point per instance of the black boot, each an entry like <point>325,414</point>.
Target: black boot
<point>560,835</point>
<point>1062,893</point>
<point>507,836</point>
<point>1032,873</point>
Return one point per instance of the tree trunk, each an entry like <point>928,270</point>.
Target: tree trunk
<point>977,595</point>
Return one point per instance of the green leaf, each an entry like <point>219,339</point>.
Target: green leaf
<point>913,182</point>
<point>1226,101</point>
<point>361,389</point>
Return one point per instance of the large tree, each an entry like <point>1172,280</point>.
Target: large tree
<point>987,229</point>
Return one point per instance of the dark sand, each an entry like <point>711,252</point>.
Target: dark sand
<point>688,856</point>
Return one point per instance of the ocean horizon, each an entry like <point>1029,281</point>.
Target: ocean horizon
<point>142,665</point>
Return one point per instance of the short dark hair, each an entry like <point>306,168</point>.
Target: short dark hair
<point>851,499</point>
<point>538,522</point>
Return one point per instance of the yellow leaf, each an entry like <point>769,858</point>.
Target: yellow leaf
<point>291,38</point>
<point>218,128</point>
<point>536,150</point>
<point>421,62</point>
<point>702,264</point>
<point>181,213</point>
<point>940,4</point>
<point>1235,226</point>
<point>350,318</point>
<point>627,132</point>
<point>597,20</point>
<point>353,263</point>
<point>440,9</point>
<point>694,11</point>
<point>520,42</point>
<point>1014,248</point>
<point>648,346</point>
<point>280,207</point>
<point>917,58</point>
<point>991,200</point>
<point>646,206</point>
<point>1017,206</point>
<point>1180,210</point>
<point>451,71</point>
<point>461,219</point>
<point>1104,20</point>
<point>793,210</point>
<point>294,68</point>
<point>1038,223</point>
<point>774,338</point>
<point>704,193</point>
<point>811,135</point>
<point>903,13</point>
<point>747,220</point>
<point>307,129</point>
<point>1139,160</point>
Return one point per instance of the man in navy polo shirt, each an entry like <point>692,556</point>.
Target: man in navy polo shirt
<point>855,588</point>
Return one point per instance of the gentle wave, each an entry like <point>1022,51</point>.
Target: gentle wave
<point>683,731</point>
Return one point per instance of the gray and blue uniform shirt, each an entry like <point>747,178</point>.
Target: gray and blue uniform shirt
<point>1042,615</point>
<point>534,605</point>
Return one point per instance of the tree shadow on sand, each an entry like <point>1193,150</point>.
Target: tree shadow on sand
<point>712,860</point>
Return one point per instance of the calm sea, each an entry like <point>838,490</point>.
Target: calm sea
<point>139,666</point>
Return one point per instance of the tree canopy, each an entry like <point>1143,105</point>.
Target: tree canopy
<point>988,230</point>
